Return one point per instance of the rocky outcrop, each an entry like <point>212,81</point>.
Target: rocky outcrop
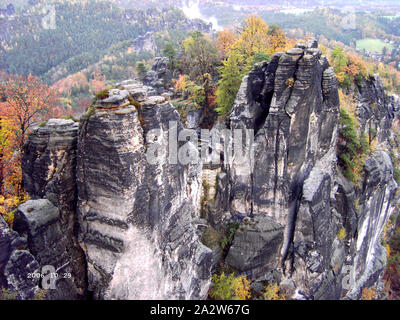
<point>121,224</point>
<point>254,247</point>
<point>376,110</point>
<point>291,176</point>
<point>376,205</point>
<point>136,215</point>
<point>112,206</point>
<point>16,263</point>
<point>145,43</point>
<point>160,76</point>
<point>49,169</point>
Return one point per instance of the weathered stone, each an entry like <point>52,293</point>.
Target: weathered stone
<point>294,178</point>
<point>49,172</point>
<point>9,242</point>
<point>136,218</point>
<point>256,246</point>
<point>160,76</point>
<point>194,119</point>
<point>20,273</point>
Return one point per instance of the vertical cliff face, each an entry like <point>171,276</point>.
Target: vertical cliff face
<point>111,207</point>
<point>48,221</point>
<point>292,104</point>
<point>137,216</point>
<point>16,262</point>
<point>331,228</point>
<point>122,225</point>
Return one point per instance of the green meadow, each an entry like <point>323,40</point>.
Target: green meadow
<point>373,45</point>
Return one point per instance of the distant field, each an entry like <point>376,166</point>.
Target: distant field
<point>373,45</point>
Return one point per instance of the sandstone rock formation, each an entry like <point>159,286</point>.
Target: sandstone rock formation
<point>136,217</point>
<point>255,244</point>
<point>160,76</point>
<point>292,104</point>
<point>123,227</point>
<point>126,226</point>
<point>16,263</point>
<point>49,169</point>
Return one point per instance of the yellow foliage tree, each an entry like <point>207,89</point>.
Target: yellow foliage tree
<point>272,292</point>
<point>277,40</point>
<point>225,40</point>
<point>230,287</point>
<point>254,38</point>
<point>255,42</point>
<point>368,294</point>
<point>342,234</point>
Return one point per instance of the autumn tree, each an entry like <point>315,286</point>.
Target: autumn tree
<point>225,40</point>
<point>230,287</point>
<point>368,294</point>
<point>253,38</point>
<point>349,67</point>
<point>7,145</point>
<point>141,69</point>
<point>170,52</point>
<point>199,58</point>
<point>199,61</point>
<point>255,43</point>
<point>273,292</point>
<point>24,101</point>
<point>277,39</point>
<point>339,59</point>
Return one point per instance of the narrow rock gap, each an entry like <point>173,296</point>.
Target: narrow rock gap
<point>262,117</point>
<point>276,158</point>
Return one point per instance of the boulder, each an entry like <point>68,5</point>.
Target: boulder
<point>256,246</point>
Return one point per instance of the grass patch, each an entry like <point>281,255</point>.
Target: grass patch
<point>103,94</point>
<point>373,45</point>
<point>70,117</point>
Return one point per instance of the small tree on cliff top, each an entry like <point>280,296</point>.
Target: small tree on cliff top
<point>25,101</point>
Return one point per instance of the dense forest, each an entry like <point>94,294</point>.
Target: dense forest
<point>85,32</point>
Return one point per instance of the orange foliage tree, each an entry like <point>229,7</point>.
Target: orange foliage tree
<point>24,101</point>
<point>277,39</point>
<point>368,294</point>
<point>225,40</point>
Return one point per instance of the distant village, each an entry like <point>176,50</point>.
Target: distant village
<point>387,55</point>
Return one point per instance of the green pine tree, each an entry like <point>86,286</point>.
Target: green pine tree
<point>170,52</point>
<point>231,74</point>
